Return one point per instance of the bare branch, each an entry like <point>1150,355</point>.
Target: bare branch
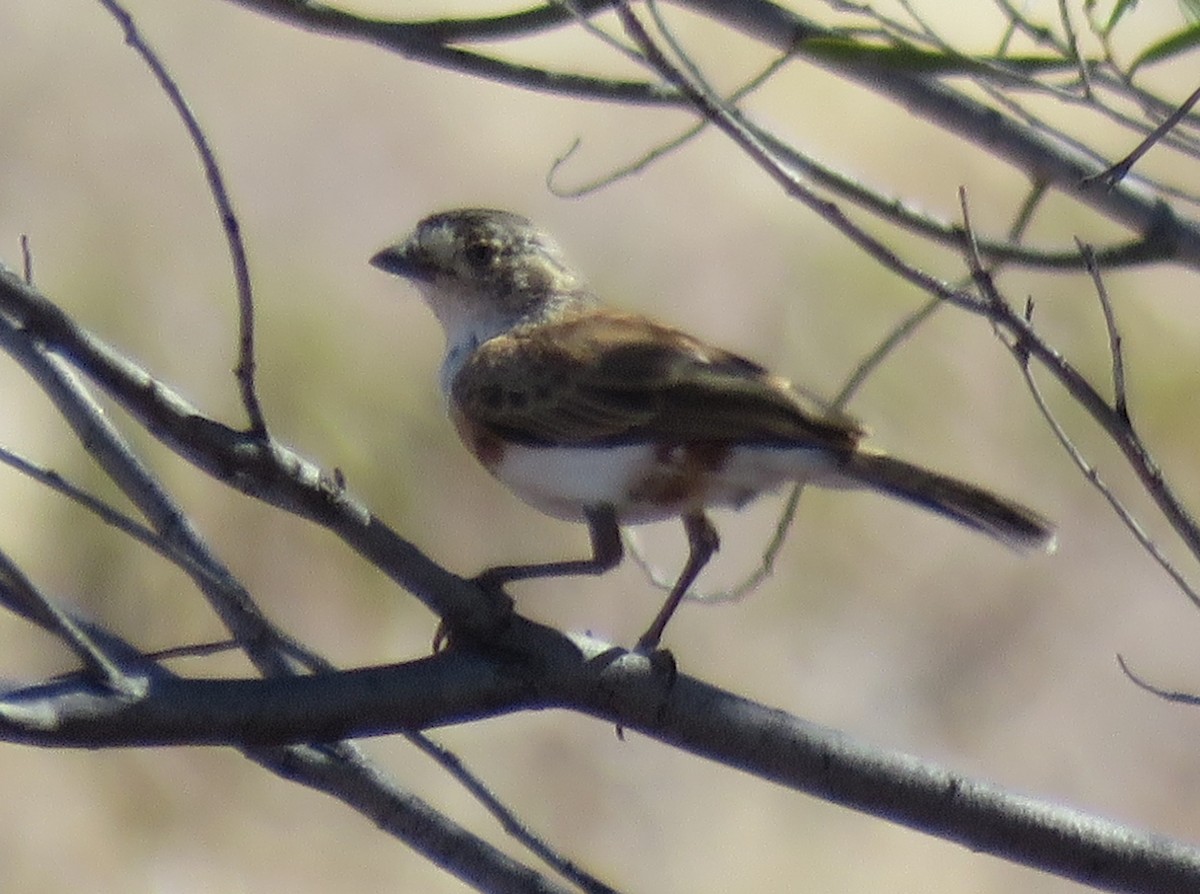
<point>18,591</point>
<point>1120,398</point>
<point>1118,171</point>
<point>111,450</point>
<point>342,772</point>
<point>1093,477</point>
<point>316,16</point>
<point>26,259</point>
<point>1170,695</point>
<point>216,184</point>
<point>621,687</point>
<point>260,468</point>
<point>450,762</point>
<point>1046,159</point>
<point>158,712</point>
<point>1119,429</point>
<point>324,707</point>
<point>665,148</point>
<point>430,42</point>
<point>106,513</point>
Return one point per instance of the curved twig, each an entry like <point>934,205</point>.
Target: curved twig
<point>244,372</point>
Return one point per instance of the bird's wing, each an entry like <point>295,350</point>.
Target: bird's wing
<point>605,378</point>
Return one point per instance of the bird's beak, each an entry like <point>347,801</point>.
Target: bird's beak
<point>401,260</point>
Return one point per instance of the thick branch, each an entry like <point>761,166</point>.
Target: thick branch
<point>158,705</point>
<point>533,666</point>
<point>446,688</point>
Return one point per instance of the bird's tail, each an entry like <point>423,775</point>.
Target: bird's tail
<point>1004,519</point>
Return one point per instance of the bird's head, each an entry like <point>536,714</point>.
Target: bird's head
<point>483,271</point>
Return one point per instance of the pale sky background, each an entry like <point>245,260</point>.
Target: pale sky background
<point>890,625</point>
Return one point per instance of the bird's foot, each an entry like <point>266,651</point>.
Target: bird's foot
<point>485,623</point>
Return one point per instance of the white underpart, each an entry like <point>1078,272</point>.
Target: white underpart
<point>565,481</point>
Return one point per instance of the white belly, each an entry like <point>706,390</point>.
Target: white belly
<point>645,484</point>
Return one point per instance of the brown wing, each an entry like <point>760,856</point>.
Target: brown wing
<point>618,379</point>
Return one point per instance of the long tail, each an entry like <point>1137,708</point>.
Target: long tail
<point>1004,519</point>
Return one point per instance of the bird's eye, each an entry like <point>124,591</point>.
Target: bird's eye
<point>479,254</point>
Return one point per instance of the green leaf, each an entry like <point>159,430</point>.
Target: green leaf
<point>915,61</point>
<point>1180,42</point>
<point>1119,10</point>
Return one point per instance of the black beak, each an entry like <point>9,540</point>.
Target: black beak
<point>399,259</point>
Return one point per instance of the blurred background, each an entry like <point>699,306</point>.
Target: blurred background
<point>885,623</point>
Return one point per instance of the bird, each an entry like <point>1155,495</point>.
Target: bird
<point>592,414</point>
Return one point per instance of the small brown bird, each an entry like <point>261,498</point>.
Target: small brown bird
<point>610,418</point>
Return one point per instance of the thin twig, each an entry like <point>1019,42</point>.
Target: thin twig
<point>1171,695</point>
<point>450,762</point>
<point>244,372</point>
<point>1093,477</point>
<point>106,513</point>
<point>891,28</point>
<point>579,12</point>
<point>980,275</point>
<point>665,148</point>
<point>896,336</point>
<point>30,345</point>
<point>1073,47</point>
<point>194,650</point>
<point>684,57</point>
<point>16,587</point>
<point>26,260</point>
<point>1113,175</point>
<point>907,326</point>
<point>172,551</point>
<point>1120,398</point>
<point>430,42</point>
<point>1039,34</point>
<point>1020,349</point>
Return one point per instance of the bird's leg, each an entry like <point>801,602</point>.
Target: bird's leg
<point>607,552</point>
<point>702,543</point>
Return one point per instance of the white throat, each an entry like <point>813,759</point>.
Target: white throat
<point>465,330</point>
<point>468,322</point>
